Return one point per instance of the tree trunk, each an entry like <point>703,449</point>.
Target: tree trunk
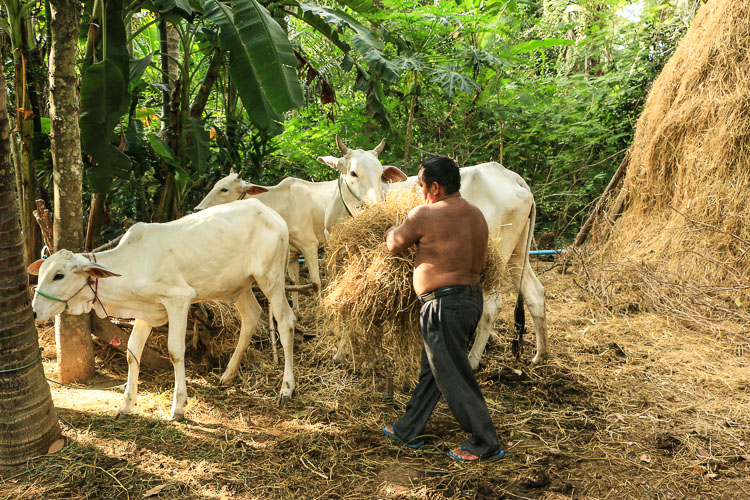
<point>26,169</point>
<point>75,350</point>
<point>28,421</point>
<point>96,216</point>
<point>212,74</point>
<point>410,123</point>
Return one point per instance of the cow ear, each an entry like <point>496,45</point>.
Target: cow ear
<point>231,170</point>
<point>393,174</point>
<point>95,270</point>
<point>331,161</point>
<point>34,267</point>
<point>252,189</point>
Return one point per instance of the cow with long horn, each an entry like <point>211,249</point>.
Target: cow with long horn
<point>360,176</point>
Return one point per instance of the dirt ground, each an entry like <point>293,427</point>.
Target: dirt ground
<point>630,406</point>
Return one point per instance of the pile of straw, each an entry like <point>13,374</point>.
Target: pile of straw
<point>369,299</point>
<point>686,224</point>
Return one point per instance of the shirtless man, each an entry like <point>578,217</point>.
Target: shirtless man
<point>451,238</point>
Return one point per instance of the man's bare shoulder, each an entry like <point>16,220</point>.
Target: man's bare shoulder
<point>419,212</point>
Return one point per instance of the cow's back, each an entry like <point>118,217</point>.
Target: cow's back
<point>211,250</point>
<point>302,204</point>
<point>502,195</point>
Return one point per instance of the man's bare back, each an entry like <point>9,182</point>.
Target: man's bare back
<point>451,238</point>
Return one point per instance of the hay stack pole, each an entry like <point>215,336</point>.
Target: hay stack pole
<point>689,174</point>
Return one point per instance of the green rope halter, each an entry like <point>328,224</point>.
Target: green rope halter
<point>341,195</point>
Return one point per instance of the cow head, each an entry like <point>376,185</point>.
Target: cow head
<point>228,189</point>
<point>362,171</point>
<point>62,282</point>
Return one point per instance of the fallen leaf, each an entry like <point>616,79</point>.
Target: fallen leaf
<point>698,470</point>
<point>646,458</point>
<point>746,457</point>
<point>56,446</point>
<point>154,491</point>
<point>711,475</point>
<point>554,451</point>
<point>673,399</point>
<point>703,453</point>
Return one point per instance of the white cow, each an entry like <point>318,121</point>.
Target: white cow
<point>361,177</point>
<point>302,204</point>
<point>506,202</point>
<point>158,270</point>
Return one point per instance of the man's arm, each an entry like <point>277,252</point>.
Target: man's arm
<point>402,237</point>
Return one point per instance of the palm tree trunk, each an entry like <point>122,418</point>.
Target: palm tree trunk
<point>28,421</point>
<point>75,350</point>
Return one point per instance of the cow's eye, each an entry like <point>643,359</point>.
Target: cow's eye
<point>353,174</point>
<point>224,190</point>
<point>58,276</point>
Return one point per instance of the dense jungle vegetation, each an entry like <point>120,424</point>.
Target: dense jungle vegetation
<point>174,93</point>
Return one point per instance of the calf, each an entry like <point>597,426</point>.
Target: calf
<point>302,204</point>
<point>158,270</point>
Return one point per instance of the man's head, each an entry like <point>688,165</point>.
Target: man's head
<point>439,176</point>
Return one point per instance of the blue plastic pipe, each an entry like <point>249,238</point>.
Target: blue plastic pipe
<point>546,252</point>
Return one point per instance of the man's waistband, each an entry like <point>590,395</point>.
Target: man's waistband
<point>449,290</point>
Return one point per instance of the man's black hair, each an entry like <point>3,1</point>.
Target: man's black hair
<point>442,170</point>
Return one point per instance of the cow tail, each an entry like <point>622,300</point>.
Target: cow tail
<point>519,314</point>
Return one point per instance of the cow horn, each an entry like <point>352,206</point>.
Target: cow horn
<point>379,148</point>
<point>340,144</point>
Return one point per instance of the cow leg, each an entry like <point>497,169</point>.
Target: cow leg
<point>138,336</point>
<point>533,296</point>
<point>274,291</point>
<point>249,310</point>
<point>293,272</point>
<point>491,309</point>
<point>310,253</point>
<point>177,313</point>
<point>272,335</point>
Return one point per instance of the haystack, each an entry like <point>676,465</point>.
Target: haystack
<point>369,300</point>
<point>682,240</point>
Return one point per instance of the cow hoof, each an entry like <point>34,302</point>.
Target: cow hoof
<point>178,417</point>
<point>225,379</point>
<point>283,400</point>
<point>537,360</point>
<point>122,416</point>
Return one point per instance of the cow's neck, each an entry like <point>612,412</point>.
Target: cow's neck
<point>113,294</point>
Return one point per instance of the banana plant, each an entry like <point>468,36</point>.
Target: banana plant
<point>104,93</point>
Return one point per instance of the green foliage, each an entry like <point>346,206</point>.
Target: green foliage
<point>551,89</point>
<point>104,99</point>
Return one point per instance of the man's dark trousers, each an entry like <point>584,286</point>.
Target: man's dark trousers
<point>448,325</point>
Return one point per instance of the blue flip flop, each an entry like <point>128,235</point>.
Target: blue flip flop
<point>497,456</point>
<point>413,445</point>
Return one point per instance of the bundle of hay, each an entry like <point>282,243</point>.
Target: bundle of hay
<point>684,235</point>
<point>369,299</point>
